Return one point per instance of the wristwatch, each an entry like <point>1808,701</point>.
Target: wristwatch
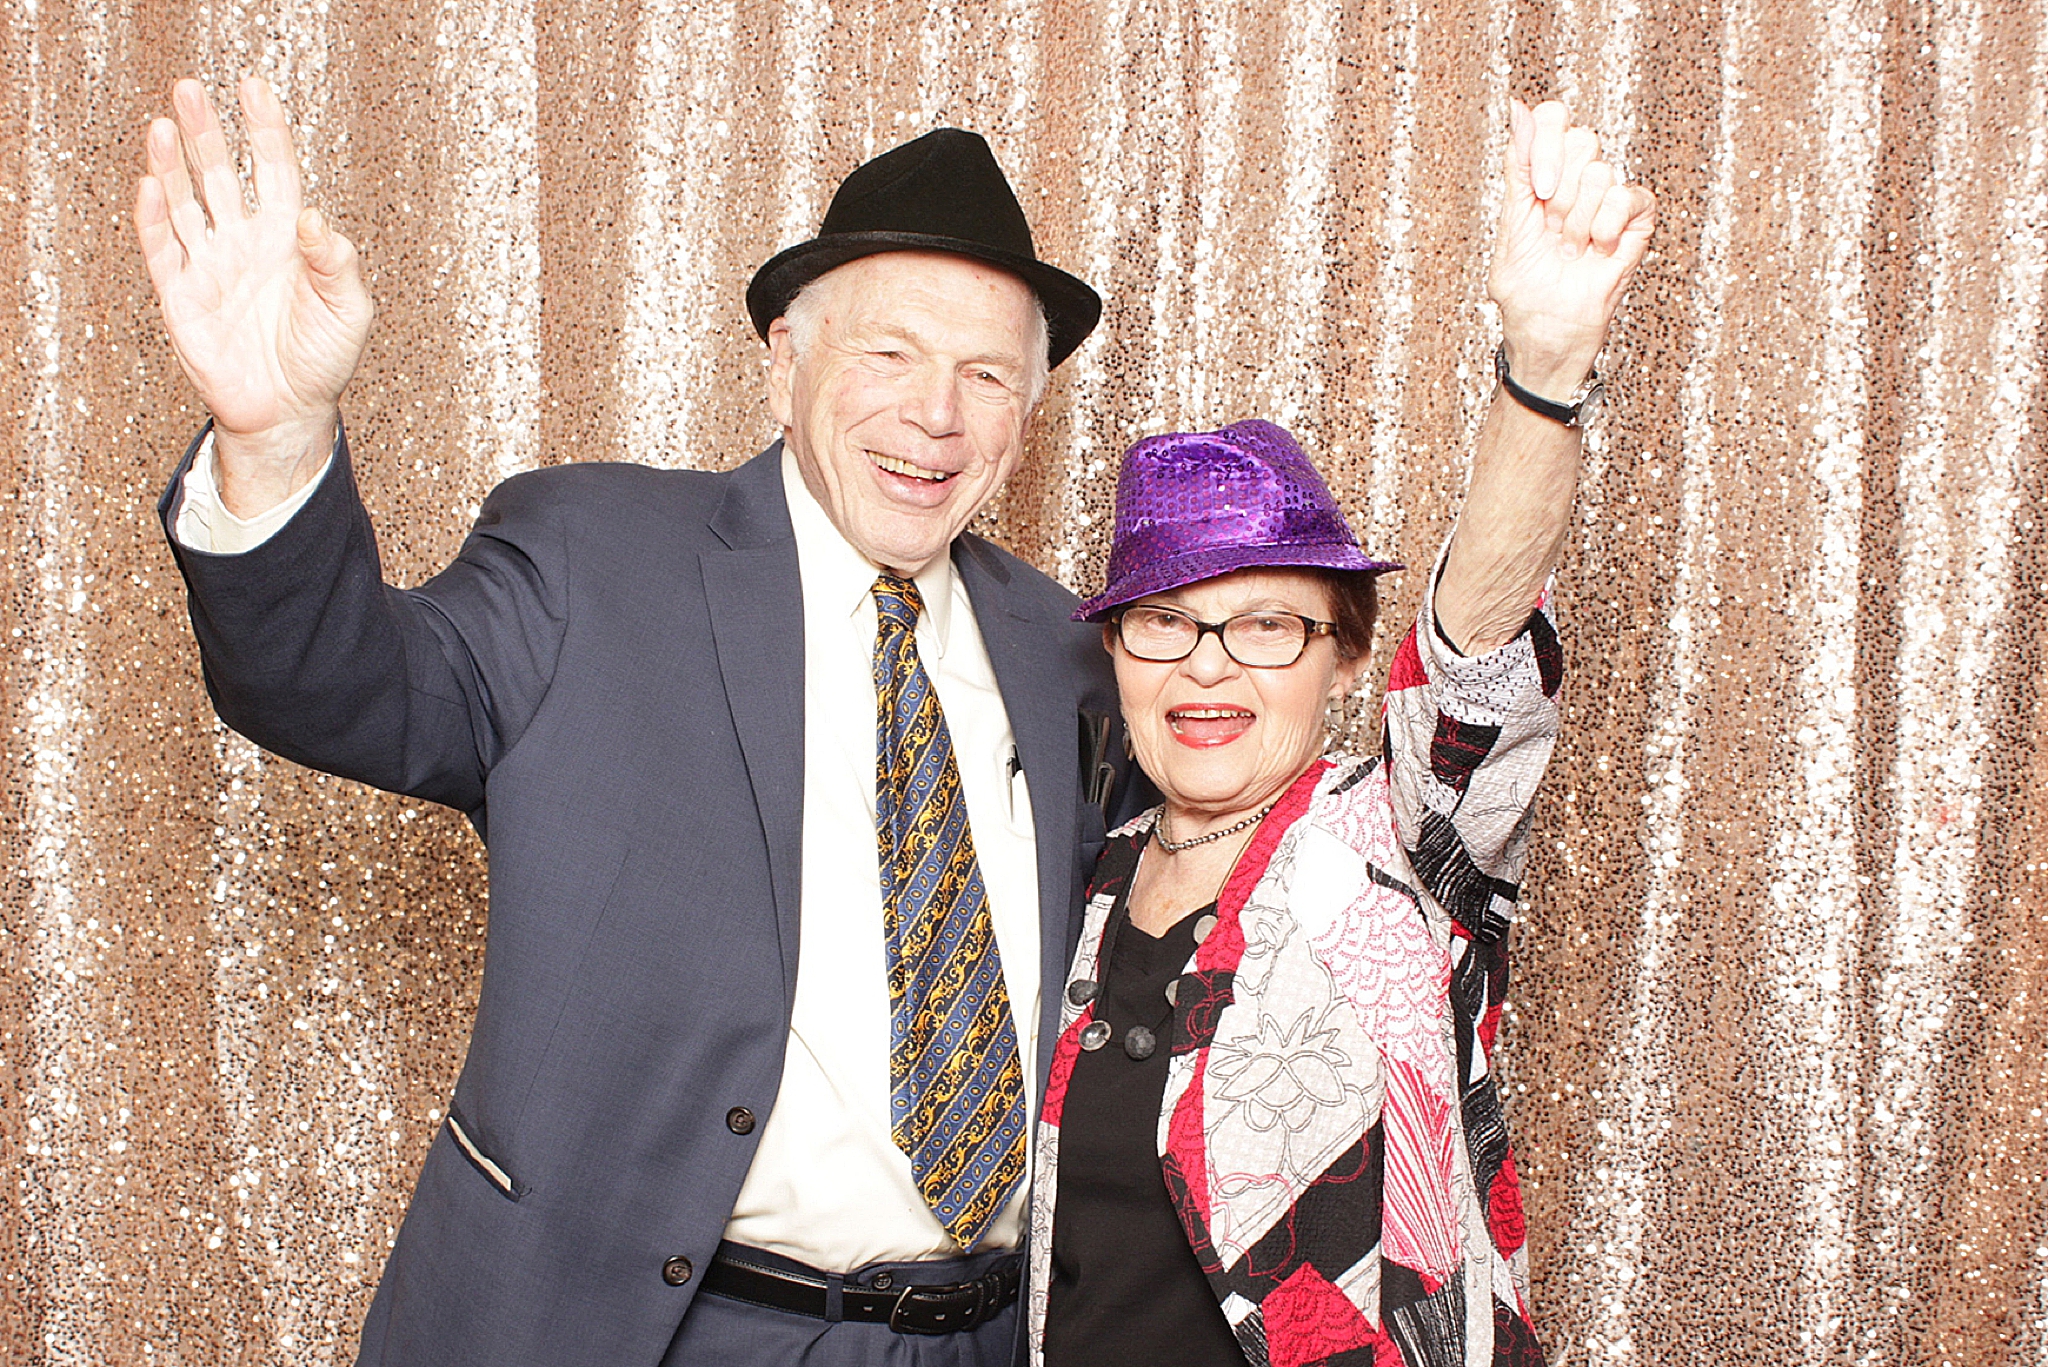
<point>1571,412</point>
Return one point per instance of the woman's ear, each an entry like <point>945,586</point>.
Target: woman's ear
<point>1347,675</point>
<point>1109,638</point>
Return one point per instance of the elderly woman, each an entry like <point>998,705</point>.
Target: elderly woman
<point>1271,1133</point>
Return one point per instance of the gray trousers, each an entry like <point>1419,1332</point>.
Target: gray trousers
<point>726,1333</point>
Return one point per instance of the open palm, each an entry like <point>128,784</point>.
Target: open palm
<point>266,311</point>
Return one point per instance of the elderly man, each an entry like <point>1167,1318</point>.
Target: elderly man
<point>789,783</point>
<point>714,1053</point>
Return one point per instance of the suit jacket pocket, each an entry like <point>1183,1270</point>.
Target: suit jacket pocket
<point>482,1161</point>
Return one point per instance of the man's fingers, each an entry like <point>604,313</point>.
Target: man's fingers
<point>1595,180</point>
<point>207,144</point>
<point>160,148</point>
<point>332,258</point>
<point>166,162</point>
<point>1546,147</point>
<point>316,244</point>
<point>160,249</point>
<point>270,138</point>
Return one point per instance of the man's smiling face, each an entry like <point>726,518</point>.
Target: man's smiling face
<point>903,391</point>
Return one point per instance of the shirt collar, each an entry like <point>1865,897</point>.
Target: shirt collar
<point>846,578</point>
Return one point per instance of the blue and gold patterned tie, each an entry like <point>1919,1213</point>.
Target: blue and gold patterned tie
<point>956,1082</point>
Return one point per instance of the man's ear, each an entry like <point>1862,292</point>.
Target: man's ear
<point>781,370</point>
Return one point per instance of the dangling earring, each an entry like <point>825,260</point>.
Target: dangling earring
<point>1334,711</point>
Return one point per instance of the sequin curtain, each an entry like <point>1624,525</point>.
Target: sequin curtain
<point>1776,1054</point>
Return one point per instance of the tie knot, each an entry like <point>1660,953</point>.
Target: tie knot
<point>898,601</point>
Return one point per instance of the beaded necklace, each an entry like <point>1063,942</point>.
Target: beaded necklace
<point>1172,846</point>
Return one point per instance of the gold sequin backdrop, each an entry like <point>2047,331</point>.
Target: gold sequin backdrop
<point>1777,1052</point>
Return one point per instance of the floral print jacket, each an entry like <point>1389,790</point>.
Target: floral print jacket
<point>1330,1133</point>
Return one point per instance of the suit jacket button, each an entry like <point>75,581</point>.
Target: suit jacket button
<point>739,1120</point>
<point>676,1271</point>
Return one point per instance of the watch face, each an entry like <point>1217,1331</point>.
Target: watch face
<point>1583,401</point>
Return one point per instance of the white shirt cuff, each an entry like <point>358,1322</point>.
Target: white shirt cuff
<point>204,523</point>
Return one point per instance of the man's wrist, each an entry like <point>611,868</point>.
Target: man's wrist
<point>258,471</point>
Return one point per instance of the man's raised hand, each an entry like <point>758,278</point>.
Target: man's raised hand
<point>1571,236</point>
<point>267,312</point>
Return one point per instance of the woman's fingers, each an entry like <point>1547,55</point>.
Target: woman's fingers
<point>1616,208</point>
<point>1627,215</point>
<point>1580,195</point>
<point>1596,178</point>
<point>1521,138</point>
<point>1546,147</point>
<point>1581,147</point>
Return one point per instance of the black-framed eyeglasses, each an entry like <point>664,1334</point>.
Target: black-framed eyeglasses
<point>1260,640</point>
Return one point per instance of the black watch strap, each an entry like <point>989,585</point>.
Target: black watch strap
<point>1567,413</point>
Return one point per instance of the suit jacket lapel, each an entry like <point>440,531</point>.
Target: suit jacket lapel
<point>757,626</point>
<point>1040,701</point>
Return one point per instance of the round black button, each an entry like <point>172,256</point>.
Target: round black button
<point>739,1120</point>
<point>884,1281</point>
<point>676,1271</point>
<point>1139,1043</point>
<point>1081,991</point>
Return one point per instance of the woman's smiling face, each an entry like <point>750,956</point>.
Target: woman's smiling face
<point>1222,739</point>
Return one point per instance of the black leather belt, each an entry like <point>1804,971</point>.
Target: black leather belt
<point>945,1309</point>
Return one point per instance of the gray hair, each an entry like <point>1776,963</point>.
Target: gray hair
<point>806,310</point>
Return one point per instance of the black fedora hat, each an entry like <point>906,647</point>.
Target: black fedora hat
<point>942,192</point>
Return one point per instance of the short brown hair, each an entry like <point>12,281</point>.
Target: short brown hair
<point>1355,607</point>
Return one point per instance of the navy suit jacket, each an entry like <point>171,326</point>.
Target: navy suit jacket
<point>609,681</point>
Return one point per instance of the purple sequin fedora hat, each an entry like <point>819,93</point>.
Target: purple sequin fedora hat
<point>1193,505</point>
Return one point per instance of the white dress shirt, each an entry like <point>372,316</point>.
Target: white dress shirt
<point>204,523</point>
<point>828,1185</point>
